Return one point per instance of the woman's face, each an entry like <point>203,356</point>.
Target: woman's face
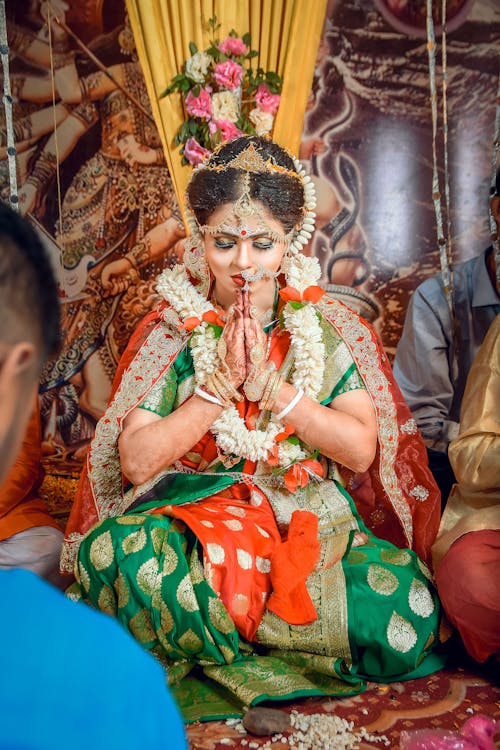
<point>242,245</point>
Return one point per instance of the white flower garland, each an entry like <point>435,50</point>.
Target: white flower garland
<point>204,352</point>
<point>301,271</point>
<point>288,453</point>
<point>174,285</point>
<point>308,348</point>
<point>231,433</point>
<point>234,438</point>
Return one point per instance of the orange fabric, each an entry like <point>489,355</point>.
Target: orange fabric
<point>236,564</point>
<point>291,563</point>
<point>84,512</point>
<point>21,507</point>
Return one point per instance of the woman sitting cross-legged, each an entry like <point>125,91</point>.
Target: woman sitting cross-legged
<point>214,518</point>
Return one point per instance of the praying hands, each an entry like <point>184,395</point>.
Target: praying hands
<point>243,343</point>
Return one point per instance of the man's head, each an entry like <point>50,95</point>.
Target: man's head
<point>29,326</point>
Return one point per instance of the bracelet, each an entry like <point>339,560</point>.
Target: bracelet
<point>221,386</point>
<point>270,392</point>
<point>207,396</point>
<point>139,254</point>
<point>295,400</point>
<point>44,170</point>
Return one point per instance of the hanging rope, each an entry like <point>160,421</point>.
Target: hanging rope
<point>444,243</point>
<point>444,52</point>
<point>60,236</point>
<point>493,191</point>
<point>7,103</point>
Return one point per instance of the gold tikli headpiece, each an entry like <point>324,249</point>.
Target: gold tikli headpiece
<point>249,161</point>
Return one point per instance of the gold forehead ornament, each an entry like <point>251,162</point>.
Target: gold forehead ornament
<point>250,161</point>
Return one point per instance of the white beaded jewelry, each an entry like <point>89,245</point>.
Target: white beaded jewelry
<point>293,403</point>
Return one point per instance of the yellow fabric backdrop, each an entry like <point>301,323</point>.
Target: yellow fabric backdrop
<point>286,34</point>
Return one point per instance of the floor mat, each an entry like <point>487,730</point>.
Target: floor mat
<point>443,700</point>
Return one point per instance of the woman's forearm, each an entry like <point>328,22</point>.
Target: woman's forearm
<point>147,448</point>
<point>349,439</point>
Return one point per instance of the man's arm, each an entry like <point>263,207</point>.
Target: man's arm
<point>423,366</point>
<point>475,454</point>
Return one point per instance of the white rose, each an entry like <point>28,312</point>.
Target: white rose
<point>197,66</point>
<point>225,106</point>
<point>262,121</point>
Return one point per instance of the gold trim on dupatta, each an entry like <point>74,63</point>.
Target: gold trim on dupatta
<point>364,351</point>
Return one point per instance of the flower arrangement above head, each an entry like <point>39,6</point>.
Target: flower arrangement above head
<point>224,97</point>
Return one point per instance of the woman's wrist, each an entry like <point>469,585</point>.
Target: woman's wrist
<point>139,255</point>
<point>286,400</point>
<point>208,399</point>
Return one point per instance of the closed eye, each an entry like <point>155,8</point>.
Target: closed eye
<point>224,244</point>
<point>263,244</point>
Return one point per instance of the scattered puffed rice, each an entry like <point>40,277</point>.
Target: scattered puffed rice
<point>323,732</point>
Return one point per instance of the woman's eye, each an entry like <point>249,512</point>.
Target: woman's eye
<point>263,244</point>
<point>224,244</point>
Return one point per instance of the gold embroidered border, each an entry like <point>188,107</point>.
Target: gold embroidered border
<point>153,358</point>
<point>69,552</point>
<point>363,348</point>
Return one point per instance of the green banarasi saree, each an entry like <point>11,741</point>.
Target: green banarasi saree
<point>187,567</point>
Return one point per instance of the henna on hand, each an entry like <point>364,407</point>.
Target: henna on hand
<point>232,345</point>
<point>255,338</point>
<point>258,368</point>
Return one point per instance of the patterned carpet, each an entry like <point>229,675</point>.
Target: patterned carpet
<point>444,700</point>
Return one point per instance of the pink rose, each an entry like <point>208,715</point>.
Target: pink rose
<point>228,74</point>
<point>228,130</point>
<point>194,152</point>
<point>267,101</point>
<point>199,106</point>
<point>233,45</point>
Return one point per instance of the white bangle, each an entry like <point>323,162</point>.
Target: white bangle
<point>207,396</point>
<point>295,400</point>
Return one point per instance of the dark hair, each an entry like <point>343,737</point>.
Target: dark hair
<point>280,193</point>
<point>29,303</point>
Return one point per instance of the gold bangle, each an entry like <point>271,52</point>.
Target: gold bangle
<point>139,254</point>
<point>213,388</point>
<point>274,394</point>
<point>225,384</point>
<point>221,387</point>
<point>269,396</point>
<point>264,396</point>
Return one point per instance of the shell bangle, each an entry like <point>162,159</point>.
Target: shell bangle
<point>207,396</point>
<point>293,403</point>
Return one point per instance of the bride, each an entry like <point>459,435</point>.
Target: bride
<point>253,493</point>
